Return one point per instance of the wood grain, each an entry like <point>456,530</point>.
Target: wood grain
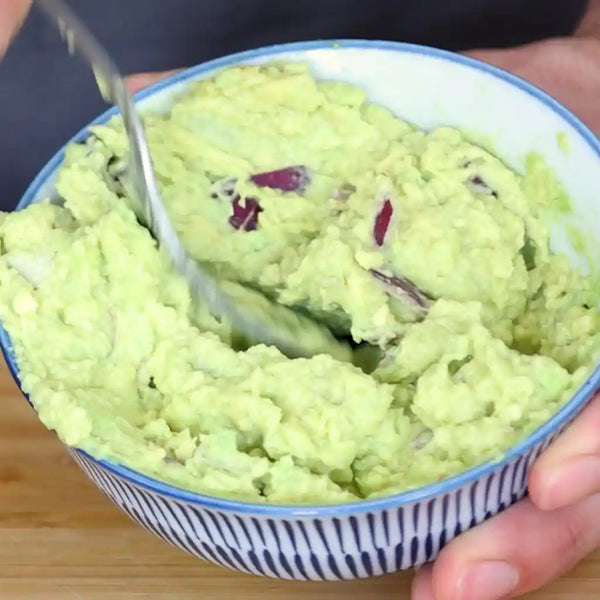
<point>61,539</point>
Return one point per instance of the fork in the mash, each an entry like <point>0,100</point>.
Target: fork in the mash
<point>254,317</point>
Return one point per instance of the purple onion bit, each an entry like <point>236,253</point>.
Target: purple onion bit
<point>478,186</point>
<point>403,289</point>
<point>245,217</point>
<point>382,221</point>
<point>289,179</point>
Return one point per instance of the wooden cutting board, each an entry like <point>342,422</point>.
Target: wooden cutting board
<point>61,539</point>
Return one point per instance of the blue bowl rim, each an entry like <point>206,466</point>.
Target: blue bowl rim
<point>559,420</point>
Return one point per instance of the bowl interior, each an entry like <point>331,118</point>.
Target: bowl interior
<point>428,88</point>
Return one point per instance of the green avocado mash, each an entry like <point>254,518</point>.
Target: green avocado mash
<point>419,242</point>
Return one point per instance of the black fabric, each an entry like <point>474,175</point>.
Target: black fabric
<point>45,95</point>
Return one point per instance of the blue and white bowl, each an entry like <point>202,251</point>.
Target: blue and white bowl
<point>427,87</point>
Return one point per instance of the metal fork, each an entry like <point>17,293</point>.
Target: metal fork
<point>254,317</point>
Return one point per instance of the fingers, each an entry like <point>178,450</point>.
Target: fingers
<point>513,553</point>
<point>422,585</point>
<point>142,80</point>
<point>569,470</point>
<point>507,59</point>
<point>489,56</point>
<point>12,15</point>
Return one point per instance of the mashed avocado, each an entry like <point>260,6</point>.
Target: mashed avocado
<point>419,242</point>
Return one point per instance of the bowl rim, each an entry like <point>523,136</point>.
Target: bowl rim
<point>413,496</point>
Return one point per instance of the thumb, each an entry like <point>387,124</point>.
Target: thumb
<point>515,552</point>
<point>139,81</point>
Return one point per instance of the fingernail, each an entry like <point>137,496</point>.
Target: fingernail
<point>491,580</point>
<point>579,478</point>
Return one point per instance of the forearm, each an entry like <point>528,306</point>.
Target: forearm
<point>590,24</point>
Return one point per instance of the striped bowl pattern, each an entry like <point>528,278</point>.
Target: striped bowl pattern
<point>350,546</point>
<point>382,535</point>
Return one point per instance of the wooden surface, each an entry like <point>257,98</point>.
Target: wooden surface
<point>61,539</point>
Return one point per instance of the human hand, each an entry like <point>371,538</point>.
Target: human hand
<point>12,15</point>
<point>566,68</point>
<point>139,81</point>
<point>537,539</point>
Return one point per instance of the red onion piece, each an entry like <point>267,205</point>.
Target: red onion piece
<point>245,216</point>
<point>403,289</point>
<point>382,221</point>
<point>289,179</point>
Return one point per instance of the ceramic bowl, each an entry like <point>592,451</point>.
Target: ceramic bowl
<point>427,87</point>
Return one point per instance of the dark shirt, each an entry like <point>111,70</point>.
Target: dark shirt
<point>45,95</point>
